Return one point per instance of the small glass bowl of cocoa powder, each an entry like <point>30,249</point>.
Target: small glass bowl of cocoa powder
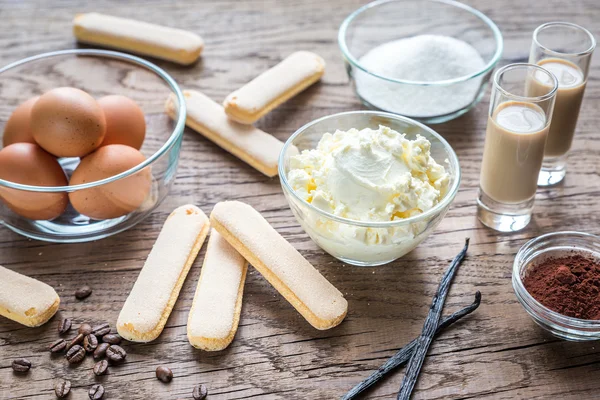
<point>556,278</point>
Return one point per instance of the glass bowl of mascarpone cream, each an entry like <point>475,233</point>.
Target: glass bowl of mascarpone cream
<point>368,186</point>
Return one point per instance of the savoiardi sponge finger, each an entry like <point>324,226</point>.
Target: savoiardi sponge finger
<point>34,309</point>
<point>251,145</point>
<point>274,87</point>
<point>157,287</point>
<point>311,294</point>
<point>215,312</point>
<point>139,37</point>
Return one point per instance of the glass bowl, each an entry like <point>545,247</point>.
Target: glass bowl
<point>338,236</point>
<point>555,245</point>
<point>388,20</point>
<point>99,73</point>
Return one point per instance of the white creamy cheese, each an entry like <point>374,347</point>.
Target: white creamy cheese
<point>369,175</point>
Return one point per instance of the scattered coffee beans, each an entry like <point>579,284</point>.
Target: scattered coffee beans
<point>101,329</point>
<point>85,329</point>
<point>164,374</point>
<point>90,343</point>
<point>116,353</point>
<point>96,392</point>
<point>58,346</point>
<point>64,326</point>
<point>200,392</point>
<point>75,354</point>
<point>100,351</point>
<point>21,365</point>
<point>112,338</point>
<point>100,367</point>
<point>62,389</point>
<point>83,292</point>
<point>76,340</point>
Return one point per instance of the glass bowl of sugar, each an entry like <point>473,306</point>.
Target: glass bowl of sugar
<point>430,60</point>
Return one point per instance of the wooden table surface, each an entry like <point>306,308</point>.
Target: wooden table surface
<point>497,353</point>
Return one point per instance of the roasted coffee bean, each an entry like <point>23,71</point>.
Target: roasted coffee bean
<point>62,389</point>
<point>21,365</point>
<point>112,338</point>
<point>116,353</point>
<point>100,351</point>
<point>58,346</point>
<point>96,392</point>
<point>200,392</point>
<point>164,374</point>
<point>90,343</point>
<point>85,329</point>
<point>83,292</point>
<point>100,367</point>
<point>64,326</point>
<point>76,340</point>
<point>75,354</point>
<point>101,329</point>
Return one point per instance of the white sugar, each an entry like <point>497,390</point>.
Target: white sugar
<point>424,58</point>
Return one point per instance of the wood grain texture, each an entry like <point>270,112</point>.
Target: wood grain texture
<point>496,353</point>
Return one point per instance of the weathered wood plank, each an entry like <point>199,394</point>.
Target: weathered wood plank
<point>497,353</point>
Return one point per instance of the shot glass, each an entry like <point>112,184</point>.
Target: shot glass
<point>515,138</point>
<point>564,49</point>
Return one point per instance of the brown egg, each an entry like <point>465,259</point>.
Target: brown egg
<point>29,164</point>
<point>125,122</point>
<point>68,122</point>
<point>113,199</point>
<point>18,128</point>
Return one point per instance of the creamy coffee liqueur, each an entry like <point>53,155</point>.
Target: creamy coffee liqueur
<point>513,153</point>
<point>571,85</point>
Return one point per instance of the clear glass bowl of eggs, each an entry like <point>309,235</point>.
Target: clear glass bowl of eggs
<point>87,148</point>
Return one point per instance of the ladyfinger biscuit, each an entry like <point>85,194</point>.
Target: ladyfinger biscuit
<point>26,300</point>
<point>217,305</point>
<point>170,44</point>
<point>156,289</point>
<point>249,144</point>
<point>319,302</point>
<point>274,86</point>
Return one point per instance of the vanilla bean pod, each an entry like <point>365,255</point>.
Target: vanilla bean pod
<point>404,354</point>
<point>429,328</point>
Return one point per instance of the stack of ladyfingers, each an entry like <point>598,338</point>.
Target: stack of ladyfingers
<point>240,235</point>
<point>229,125</point>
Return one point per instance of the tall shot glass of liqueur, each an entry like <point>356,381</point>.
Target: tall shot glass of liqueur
<point>564,49</point>
<point>515,138</point>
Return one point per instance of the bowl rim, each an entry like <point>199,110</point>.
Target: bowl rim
<point>445,202</point>
<point>488,67</point>
<point>533,306</point>
<point>173,138</point>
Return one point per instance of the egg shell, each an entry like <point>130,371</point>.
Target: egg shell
<point>68,122</point>
<point>125,121</point>
<point>29,164</point>
<point>115,199</point>
<point>18,126</point>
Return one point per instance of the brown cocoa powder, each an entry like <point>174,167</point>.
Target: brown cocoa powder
<point>569,285</point>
